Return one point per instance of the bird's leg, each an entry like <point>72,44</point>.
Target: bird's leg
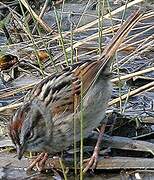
<point>40,165</point>
<point>39,162</point>
<point>92,162</point>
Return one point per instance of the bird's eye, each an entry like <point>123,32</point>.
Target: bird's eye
<point>29,134</point>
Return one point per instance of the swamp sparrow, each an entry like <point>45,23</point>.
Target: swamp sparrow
<point>45,121</point>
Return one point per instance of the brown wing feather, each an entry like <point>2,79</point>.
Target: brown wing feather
<point>87,73</point>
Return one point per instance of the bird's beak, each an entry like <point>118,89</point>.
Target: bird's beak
<point>20,151</point>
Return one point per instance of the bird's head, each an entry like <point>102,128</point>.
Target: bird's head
<point>27,129</point>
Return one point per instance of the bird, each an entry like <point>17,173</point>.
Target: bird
<point>45,121</point>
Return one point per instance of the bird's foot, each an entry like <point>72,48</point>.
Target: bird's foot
<point>39,162</point>
<point>92,161</point>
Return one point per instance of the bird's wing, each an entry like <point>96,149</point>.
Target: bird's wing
<point>63,91</point>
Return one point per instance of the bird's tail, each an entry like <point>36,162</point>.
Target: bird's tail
<point>116,41</point>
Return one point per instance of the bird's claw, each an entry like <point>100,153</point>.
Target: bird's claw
<point>92,162</point>
<point>39,162</point>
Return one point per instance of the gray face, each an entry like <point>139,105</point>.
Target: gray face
<point>33,133</point>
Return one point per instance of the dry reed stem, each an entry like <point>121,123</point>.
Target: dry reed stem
<point>132,93</point>
<point>42,23</point>
<point>11,106</point>
<point>18,90</point>
<point>127,76</point>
